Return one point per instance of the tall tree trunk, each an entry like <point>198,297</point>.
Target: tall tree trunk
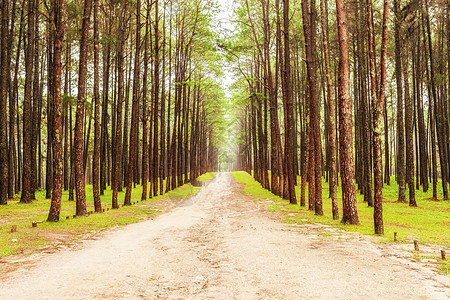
<point>3,104</point>
<point>289,128</point>
<point>79,122</point>
<point>278,66</point>
<point>308,15</point>
<point>431,127</point>
<point>96,156</point>
<point>120,96</point>
<point>50,69</point>
<point>437,112</point>
<point>193,139</point>
<point>156,88</point>
<point>366,161</point>
<point>114,120</point>
<point>331,117</point>
<point>162,172</point>
<point>123,169</point>
<point>134,109</point>
<point>377,107</point>
<point>145,113</point>
<point>421,120</point>
<point>37,103</point>
<point>169,145</point>
<point>104,171</point>
<point>72,159</point>
<point>350,214</point>
<point>12,170</point>
<point>401,166</point>
<point>58,7</point>
<point>274,125</point>
<point>14,94</point>
<point>387,158</point>
<point>27,178</point>
<point>409,110</point>
<point>66,120</point>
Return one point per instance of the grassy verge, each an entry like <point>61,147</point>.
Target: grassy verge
<point>428,223</point>
<point>207,176</point>
<point>27,239</point>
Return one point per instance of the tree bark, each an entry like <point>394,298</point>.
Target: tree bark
<point>14,95</point>
<point>274,124</point>
<point>315,163</point>
<point>59,25</point>
<point>96,155</point>
<point>156,88</point>
<point>27,179</point>
<point>3,105</point>
<point>79,122</point>
<point>350,214</point>
<point>104,157</point>
<point>331,116</point>
<point>366,161</point>
<point>50,69</point>
<point>11,165</point>
<point>66,120</point>
<point>145,155</point>
<point>409,110</point>
<point>289,128</point>
<point>438,118</point>
<point>118,125</point>
<point>401,166</point>
<point>162,171</point>
<point>387,157</point>
<point>377,107</point>
<point>134,109</point>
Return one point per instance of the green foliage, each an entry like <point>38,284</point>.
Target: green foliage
<point>69,99</point>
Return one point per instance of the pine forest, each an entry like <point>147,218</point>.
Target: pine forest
<point>314,100</point>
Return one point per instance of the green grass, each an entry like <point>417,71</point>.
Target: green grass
<point>429,222</point>
<point>207,176</point>
<point>48,233</point>
<point>445,267</point>
<point>442,265</point>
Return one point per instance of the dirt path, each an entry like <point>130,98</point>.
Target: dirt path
<point>221,245</point>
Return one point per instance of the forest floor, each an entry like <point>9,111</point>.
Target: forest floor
<point>223,244</point>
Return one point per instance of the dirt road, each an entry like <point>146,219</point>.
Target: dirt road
<point>222,245</point>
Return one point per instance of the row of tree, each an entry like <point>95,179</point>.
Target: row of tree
<point>328,75</point>
<point>143,72</point>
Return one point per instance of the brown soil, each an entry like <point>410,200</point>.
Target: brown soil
<point>223,244</point>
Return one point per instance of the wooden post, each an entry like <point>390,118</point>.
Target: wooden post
<point>443,255</point>
<point>67,217</point>
<point>34,224</point>
<point>14,228</point>
<point>395,236</point>
<point>74,216</point>
<point>416,245</point>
